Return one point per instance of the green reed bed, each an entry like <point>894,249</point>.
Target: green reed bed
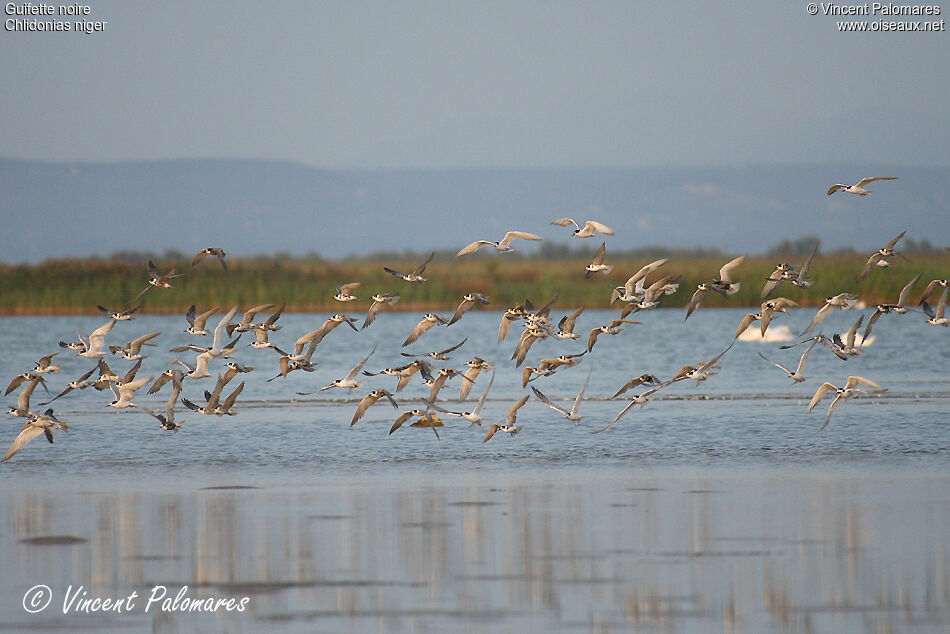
<point>77,286</point>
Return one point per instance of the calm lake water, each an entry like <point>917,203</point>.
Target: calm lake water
<point>718,506</point>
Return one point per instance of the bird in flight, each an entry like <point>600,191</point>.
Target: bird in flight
<point>501,246</point>
<point>850,389</point>
<point>597,263</point>
<point>879,257</point>
<point>858,188</point>
<point>416,275</point>
<point>157,279</point>
<point>589,229</point>
<point>215,251</point>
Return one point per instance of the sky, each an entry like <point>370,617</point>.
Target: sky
<point>405,84</point>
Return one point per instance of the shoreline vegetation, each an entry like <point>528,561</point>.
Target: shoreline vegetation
<point>308,283</point>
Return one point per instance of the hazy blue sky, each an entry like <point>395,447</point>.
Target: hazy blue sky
<point>453,84</point>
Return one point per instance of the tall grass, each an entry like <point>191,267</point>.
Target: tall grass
<point>77,286</point>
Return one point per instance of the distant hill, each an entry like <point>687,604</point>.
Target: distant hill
<point>251,207</point>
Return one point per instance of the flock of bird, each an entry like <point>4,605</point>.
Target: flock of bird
<point>638,293</point>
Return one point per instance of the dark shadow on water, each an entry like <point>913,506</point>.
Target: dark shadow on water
<point>54,540</point>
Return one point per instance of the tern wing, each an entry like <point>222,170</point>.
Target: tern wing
<point>511,235</point>
<point>512,414</point>
<point>871,179</point>
<point>598,226</point>
<point>836,187</point>
<point>249,314</point>
<point>374,308</point>
<point>712,362</point>
<point>491,432</point>
<point>421,328</point>
<point>625,410</point>
<point>23,398</point>
<point>473,247</point>
<point>546,309</point>
<point>801,362</point>
<point>422,267</point>
<point>481,399</point>
<point>401,419</point>
<point>461,310</point>
<point>771,283</point>
<point>744,324</point>
<point>567,325</point>
<point>364,405</point>
<point>725,273</point>
<point>592,338</point>
<point>892,243</point>
<point>162,379</point>
<point>14,384</point>
<point>854,381</point>
<point>820,394</point>
<point>871,321</point>
<point>232,397</point>
<point>823,312</point>
<point>97,336</point>
<point>777,365</point>
<point>455,347</point>
<point>831,410</point>
<point>544,399</point>
<point>644,271</point>
<point>694,301</point>
<point>632,383</point>
<point>870,264</point>
<point>28,433</point>
<point>853,331</point>
<point>136,344</point>
<point>521,351</point>
<point>221,328</point>
<point>580,395</point>
<point>127,378</point>
<point>126,390</point>
<point>503,328</point>
<point>804,270</point>
<point>352,374</point>
<point>942,304</point>
<point>928,291</point>
<point>905,292</point>
<point>599,256</point>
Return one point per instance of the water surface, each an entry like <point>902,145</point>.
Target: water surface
<point>717,507</point>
